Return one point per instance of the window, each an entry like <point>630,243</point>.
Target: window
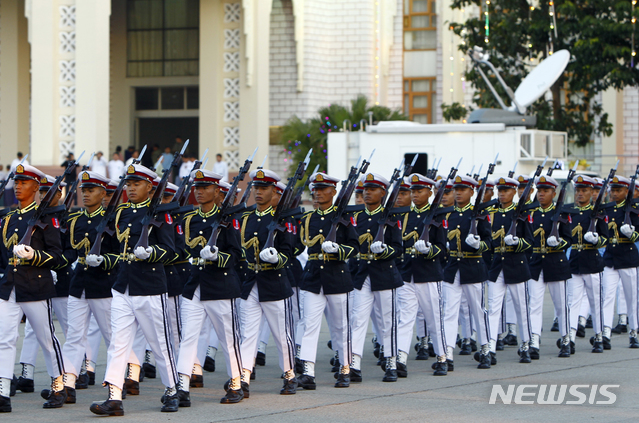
<point>420,99</point>
<point>420,25</point>
<point>163,38</point>
<point>167,98</point>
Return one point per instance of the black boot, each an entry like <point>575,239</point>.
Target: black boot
<point>484,361</point>
<point>466,348</point>
<point>343,380</point>
<point>5,404</point>
<point>260,359</point>
<point>82,382</point>
<point>306,382</point>
<point>184,398</point>
<point>108,408</point>
<point>171,403</point>
<point>209,364</point>
<point>555,326</point>
<point>499,346</point>
<point>91,378</point>
<point>597,347</point>
<point>290,387</point>
<point>390,375</point>
<point>149,370</point>
<point>197,381</point>
<point>581,331</point>
<point>57,394</point>
<point>524,356</point>
<point>14,386</point>
<point>589,322</point>
<point>132,387</point>
<point>440,368</point>
<point>25,385</point>
<point>233,396</point>
<point>565,351</point>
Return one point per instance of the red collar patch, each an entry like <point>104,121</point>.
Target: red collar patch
<point>56,222</point>
<point>178,228</point>
<point>168,219</point>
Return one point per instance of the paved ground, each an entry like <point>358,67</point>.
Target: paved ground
<point>461,396</point>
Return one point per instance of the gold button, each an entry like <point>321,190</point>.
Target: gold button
<point>418,215</point>
<point>135,211</point>
<point>254,233</point>
<point>320,231</point>
<point>200,268</point>
<point>204,220</point>
<point>259,220</point>
<point>89,222</point>
<point>369,219</point>
<point>321,218</point>
<point>153,269</point>
<point>86,234</point>
<point>16,229</point>
<point>367,230</point>
<point>20,218</point>
<point>321,267</point>
<point>129,224</point>
<point>200,232</point>
<point>15,270</point>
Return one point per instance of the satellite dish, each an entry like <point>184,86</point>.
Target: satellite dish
<point>541,78</point>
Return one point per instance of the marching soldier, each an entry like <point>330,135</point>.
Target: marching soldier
<point>465,271</point>
<point>586,264</point>
<point>422,275</point>
<point>27,286</point>
<point>376,279</point>
<point>212,288</point>
<point>266,291</point>
<point>139,294</point>
<point>90,287</point>
<point>620,260</point>
<point>509,268</point>
<point>326,282</point>
<point>549,267</point>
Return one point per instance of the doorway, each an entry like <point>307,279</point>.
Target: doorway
<point>161,132</point>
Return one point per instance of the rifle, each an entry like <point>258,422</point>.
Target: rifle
<point>556,217</point>
<point>434,207</point>
<point>158,163</point>
<point>512,172</point>
<point>184,191</point>
<point>71,193</point>
<point>344,197</point>
<point>477,209</point>
<point>285,202</point>
<point>552,168</point>
<point>247,191</point>
<point>432,173</point>
<point>109,214</point>
<point>46,202</point>
<point>228,208</point>
<point>156,200</point>
<point>596,207</point>
<point>396,181</point>
<point>628,207</point>
<point>521,204</point>
<point>471,171</point>
<point>10,177</point>
<point>297,198</point>
<point>478,174</point>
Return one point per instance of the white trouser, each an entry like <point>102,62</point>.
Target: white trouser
<point>622,307</point>
<point>94,337</point>
<point>511,316</point>
<point>420,323</point>
<point>559,295</point>
<point>465,318</point>
<point>589,286</point>
<point>610,280</point>
<point>29,352</point>
<point>80,311</point>
<point>452,294</point>
<point>496,292</point>
<point>128,313</point>
<point>223,316</point>
<point>364,301</point>
<point>265,330</point>
<point>298,305</point>
<point>585,310</point>
<point>279,315</point>
<point>203,341</point>
<point>336,305</point>
<point>40,314</point>
<point>427,297</point>
<point>175,320</point>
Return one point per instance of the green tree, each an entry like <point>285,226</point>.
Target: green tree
<point>299,136</point>
<point>598,34</point>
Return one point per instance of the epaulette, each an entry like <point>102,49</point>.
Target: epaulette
<point>246,213</point>
<point>191,213</point>
<point>123,206</point>
<point>10,212</point>
<point>78,213</point>
<point>307,213</point>
<point>356,214</point>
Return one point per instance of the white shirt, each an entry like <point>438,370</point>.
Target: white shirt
<point>100,166</point>
<point>221,168</point>
<point>185,169</point>
<point>116,169</point>
<point>15,164</point>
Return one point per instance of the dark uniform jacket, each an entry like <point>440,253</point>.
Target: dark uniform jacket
<point>512,260</point>
<point>217,279</point>
<point>380,268</point>
<point>95,282</point>
<point>181,262</point>
<point>271,278</point>
<point>417,266</point>
<point>584,256</point>
<point>462,257</point>
<point>63,270</point>
<point>552,260</point>
<point>324,271</point>
<point>142,277</point>
<point>31,279</point>
<point>621,252</point>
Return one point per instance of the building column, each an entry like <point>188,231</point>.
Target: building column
<point>92,76</point>
<point>14,81</point>
<point>254,98</point>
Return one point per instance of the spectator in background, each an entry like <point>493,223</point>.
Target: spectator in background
<point>221,168</point>
<point>118,151</point>
<point>116,167</point>
<point>134,155</point>
<point>128,153</point>
<point>167,159</point>
<point>185,170</point>
<point>70,177</point>
<point>99,164</point>
<point>3,176</point>
<point>10,198</point>
<point>178,144</point>
<point>155,154</point>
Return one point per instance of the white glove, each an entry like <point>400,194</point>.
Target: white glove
<point>447,246</point>
<point>592,238</point>
<point>511,240</point>
<point>94,260</point>
<point>54,275</point>
<point>23,251</point>
<point>378,247</point>
<point>627,230</point>
<point>330,247</point>
<point>143,253</point>
<point>209,253</point>
<point>269,255</point>
<point>474,241</point>
<point>190,260</point>
<point>552,241</point>
<point>423,246</point>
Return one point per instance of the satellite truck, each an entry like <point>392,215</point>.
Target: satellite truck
<point>507,131</point>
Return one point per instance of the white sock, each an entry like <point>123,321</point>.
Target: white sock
<point>185,382</point>
<point>90,365</point>
<point>211,351</point>
<point>27,371</point>
<point>5,387</point>
<point>402,357</point>
<point>606,332</point>
<point>449,353</point>
<point>197,370</point>
<point>309,368</point>
<point>623,319</point>
<point>573,334</point>
<point>170,391</point>
<point>391,363</point>
<point>262,347</point>
<point>69,380</point>
<point>235,384</point>
<point>115,393</point>
<point>357,362</point>
<point>246,375</point>
<point>134,372</point>
<point>582,320</point>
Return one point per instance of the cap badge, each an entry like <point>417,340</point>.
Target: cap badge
<point>44,180</point>
<point>370,177</point>
<point>521,179</point>
<point>199,175</point>
<point>415,178</point>
<point>615,180</point>
<point>20,169</point>
<point>131,169</point>
<point>458,179</point>
<point>259,174</point>
<point>85,176</point>
<point>542,179</point>
<point>502,181</point>
<point>319,178</point>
